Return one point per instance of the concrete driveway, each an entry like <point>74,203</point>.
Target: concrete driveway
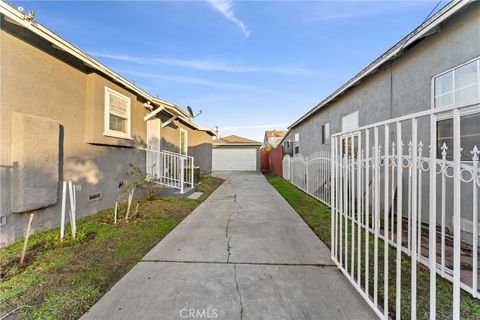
<point>242,254</point>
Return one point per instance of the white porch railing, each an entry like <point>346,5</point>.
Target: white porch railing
<point>389,198</point>
<point>170,169</point>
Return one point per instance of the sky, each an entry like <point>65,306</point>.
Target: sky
<point>250,66</point>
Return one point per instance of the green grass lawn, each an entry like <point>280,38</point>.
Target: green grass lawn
<point>62,280</point>
<point>317,216</point>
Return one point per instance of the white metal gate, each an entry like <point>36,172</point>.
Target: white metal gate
<point>165,167</point>
<point>395,193</point>
<point>311,174</point>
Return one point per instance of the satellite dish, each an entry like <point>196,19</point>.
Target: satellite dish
<point>190,111</point>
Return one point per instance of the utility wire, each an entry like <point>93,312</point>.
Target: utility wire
<point>431,12</point>
<point>426,18</point>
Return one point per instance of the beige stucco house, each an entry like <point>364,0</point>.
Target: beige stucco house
<point>67,117</point>
<point>273,137</point>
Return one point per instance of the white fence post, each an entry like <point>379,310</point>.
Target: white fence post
<point>192,168</point>
<point>432,230</point>
<point>456,213</point>
<point>182,174</point>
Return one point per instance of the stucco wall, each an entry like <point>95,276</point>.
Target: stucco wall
<point>35,82</point>
<point>199,144</point>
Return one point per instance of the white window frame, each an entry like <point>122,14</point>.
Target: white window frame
<point>432,84</point>
<point>296,143</point>
<point>449,115</point>
<point>114,133</point>
<point>186,141</point>
<point>347,116</point>
<point>345,138</point>
<point>326,133</point>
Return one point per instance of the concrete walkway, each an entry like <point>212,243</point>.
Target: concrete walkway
<point>242,254</point>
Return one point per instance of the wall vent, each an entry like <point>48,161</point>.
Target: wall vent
<point>95,196</point>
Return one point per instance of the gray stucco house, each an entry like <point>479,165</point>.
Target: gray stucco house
<point>436,65</point>
<point>67,117</point>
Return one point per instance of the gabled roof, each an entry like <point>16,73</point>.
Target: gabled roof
<point>18,18</point>
<point>425,29</point>
<point>236,140</point>
<point>275,133</point>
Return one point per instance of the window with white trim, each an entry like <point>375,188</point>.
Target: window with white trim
<point>469,134</point>
<point>117,114</point>
<point>296,143</point>
<point>457,87</point>
<point>326,133</point>
<point>183,141</point>
<point>350,121</point>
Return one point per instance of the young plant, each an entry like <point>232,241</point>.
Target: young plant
<point>137,179</point>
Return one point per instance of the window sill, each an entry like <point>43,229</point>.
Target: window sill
<point>118,135</point>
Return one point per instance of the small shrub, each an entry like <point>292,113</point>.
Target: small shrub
<point>136,179</point>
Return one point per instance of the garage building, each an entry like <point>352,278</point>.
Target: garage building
<point>234,153</point>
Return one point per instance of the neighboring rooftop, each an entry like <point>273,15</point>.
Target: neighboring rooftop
<point>235,140</point>
<point>275,133</point>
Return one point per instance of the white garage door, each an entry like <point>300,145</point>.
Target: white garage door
<point>235,159</point>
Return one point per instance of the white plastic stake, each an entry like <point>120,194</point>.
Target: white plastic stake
<point>130,198</point>
<point>62,217</point>
<point>72,208</point>
<point>116,211</point>
<point>27,234</point>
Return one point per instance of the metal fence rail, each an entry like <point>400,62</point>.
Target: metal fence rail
<point>394,194</point>
<point>170,169</point>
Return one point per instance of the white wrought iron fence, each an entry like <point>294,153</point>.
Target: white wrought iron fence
<point>318,175</point>
<point>170,169</point>
<point>393,196</point>
<point>311,174</point>
<point>286,167</point>
<point>298,171</point>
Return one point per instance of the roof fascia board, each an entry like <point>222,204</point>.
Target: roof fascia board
<point>210,131</point>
